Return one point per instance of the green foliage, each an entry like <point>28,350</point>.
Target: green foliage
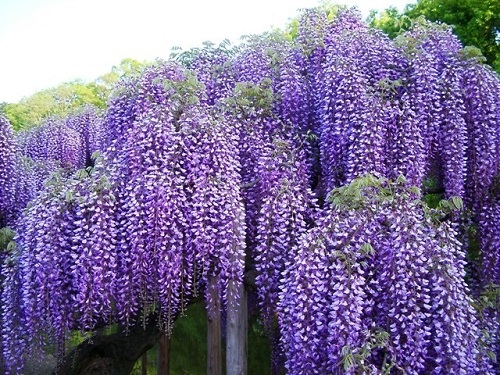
<point>184,93</point>
<point>247,96</point>
<point>127,68</point>
<point>186,58</point>
<point>68,97</point>
<point>58,101</point>
<point>476,23</point>
<point>390,21</point>
<point>472,53</point>
<point>8,246</point>
<point>487,302</point>
<point>7,243</point>
<point>489,299</point>
<point>357,358</point>
<point>369,188</point>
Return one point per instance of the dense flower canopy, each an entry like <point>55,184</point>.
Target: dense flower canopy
<point>7,159</point>
<point>310,162</point>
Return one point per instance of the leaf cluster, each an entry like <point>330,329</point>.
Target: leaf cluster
<point>248,96</point>
<point>476,23</point>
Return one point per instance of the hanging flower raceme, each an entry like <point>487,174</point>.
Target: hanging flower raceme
<point>45,274</point>
<point>121,114</point>
<point>343,94</point>
<point>323,300</point>
<point>417,129</point>
<point>30,178</point>
<point>483,163</point>
<point>88,123</point>
<point>368,138</point>
<point>169,183</point>
<point>94,259</point>
<point>13,335</point>
<point>7,161</point>
<point>343,103</point>
<point>435,86</point>
<point>52,141</point>
<point>152,203</point>
<point>216,212</point>
<point>360,88</point>
<point>255,64</point>
<point>453,129</point>
<point>286,211</point>
<point>388,290</point>
<point>287,208</point>
<point>483,131</point>
<point>489,225</point>
<point>293,92</point>
<point>310,35</point>
<point>250,110</point>
<point>213,69</point>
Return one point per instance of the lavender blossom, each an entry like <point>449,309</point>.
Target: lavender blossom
<point>7,160</point>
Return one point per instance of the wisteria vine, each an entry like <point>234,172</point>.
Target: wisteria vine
<point>306,161</point>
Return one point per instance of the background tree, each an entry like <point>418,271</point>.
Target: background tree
<point>67,97</point>
<point>476,23</point>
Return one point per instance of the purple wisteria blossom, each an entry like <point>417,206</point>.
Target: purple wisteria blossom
<point>287,208</point>
<point>89,125</point>
<point>45,261</point>
<point>7,160</point>
<point>213,69</point>
<point>452,129</point>
<point>366,269</point>
<point>52,141</point>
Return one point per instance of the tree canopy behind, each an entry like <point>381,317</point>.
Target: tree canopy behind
<point>68,97</point>
<point>475,22</point>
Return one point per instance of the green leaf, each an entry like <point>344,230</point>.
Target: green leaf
<point>457,202</point>
<point>491,355</point>
<point>367,249</point>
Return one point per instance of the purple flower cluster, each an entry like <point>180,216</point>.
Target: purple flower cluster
<point>214,70</point>
<point>13,342</point>
<point>217,216</point>
<point>88,123</point>
<point>158,215</point>
<point>365,268</point>
<point>7,161</point>
<point>358,78</point>
<point>52,141</point>
<point>46,255</point>
<point>287,207</point>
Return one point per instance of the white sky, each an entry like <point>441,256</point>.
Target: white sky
<point>46,42</point>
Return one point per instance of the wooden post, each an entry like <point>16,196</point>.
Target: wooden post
<point>237,328</point>
<point>214,331</point>
<point>164,355</point>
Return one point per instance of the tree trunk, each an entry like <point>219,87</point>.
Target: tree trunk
<point>237,328</point>
<point>113,354</point>
<point>116,354</point>
<point>144,364</point>
<point>214,331</point>
<point>164,355</point>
